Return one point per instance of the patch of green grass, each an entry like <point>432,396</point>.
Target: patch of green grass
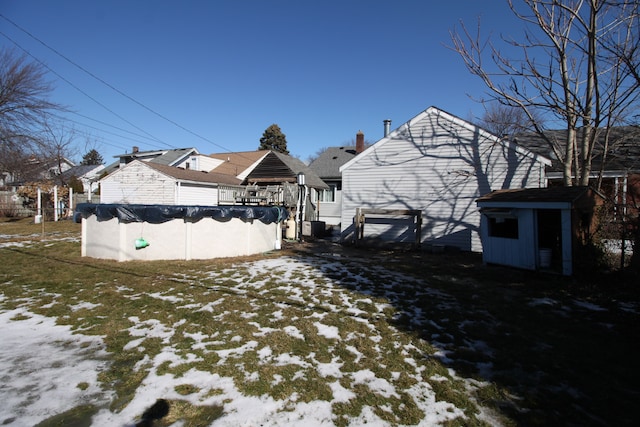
<point>186,389</point>
<point>190,415</point>
<point>80,416</point>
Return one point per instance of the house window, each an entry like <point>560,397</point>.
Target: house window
<point>327,196</point>
<point>505,227</point>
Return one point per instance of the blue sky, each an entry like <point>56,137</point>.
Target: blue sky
<point>215,74</point>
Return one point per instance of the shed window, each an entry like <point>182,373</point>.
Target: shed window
<point>503,227</point>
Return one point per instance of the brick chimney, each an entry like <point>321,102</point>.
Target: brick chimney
<point>359,142</point>
<point>135,149</point>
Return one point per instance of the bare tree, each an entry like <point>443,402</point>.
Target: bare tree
<point>23,97</point>
<point>577,68</point>
<point>505,120</point>
<point>24,112</point>
<point>58,145</point>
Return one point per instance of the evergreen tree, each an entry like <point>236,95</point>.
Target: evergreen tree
<point>274,139</point>
<point>92,158</point>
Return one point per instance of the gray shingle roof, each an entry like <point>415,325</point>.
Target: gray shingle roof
<point>327,165</point>
<point>537,195</point>
<point>172,156</point>
<point>623,153</point>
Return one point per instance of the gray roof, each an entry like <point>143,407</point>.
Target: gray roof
<point>160,157</point>
<point>172,156</point>
<point>78,171</point>
<point>327,165</point>
<point>297,166</point>
<point>623,153</point>
<point>538,195</point>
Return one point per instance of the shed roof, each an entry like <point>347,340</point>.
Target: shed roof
<point>538,195</point>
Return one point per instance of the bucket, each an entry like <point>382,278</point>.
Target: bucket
<point>545,258</point>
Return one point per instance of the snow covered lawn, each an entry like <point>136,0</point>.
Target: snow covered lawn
<point>310,339</point>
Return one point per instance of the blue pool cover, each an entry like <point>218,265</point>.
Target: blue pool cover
<point>157,214</point>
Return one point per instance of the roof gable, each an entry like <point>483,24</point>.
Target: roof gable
<point>277,167</point>
<point>408,128</point>
<point>239,164</point>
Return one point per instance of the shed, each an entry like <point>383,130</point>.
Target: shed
<point>438,164</point>
<point>537,228</point>
<point>141,182</point>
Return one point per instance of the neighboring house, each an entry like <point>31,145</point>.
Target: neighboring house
<point>538,228</point>
<point>436,164</point>
<point>186,158</point>
<point>619,168</point>
<point>265,169</point>
<point>88,175</point>
<point>327,167</point>
<point>34,170</point>
<point>140,182</point>
<point>149,182</point>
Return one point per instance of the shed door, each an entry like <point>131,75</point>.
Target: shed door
<point>550,238</point>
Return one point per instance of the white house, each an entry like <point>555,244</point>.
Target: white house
<point>186,158</point>
<point>436,164</point>
<point>140,182</point>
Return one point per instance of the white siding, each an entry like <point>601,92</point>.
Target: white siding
<point>199,162</point>
<point>440,165</point>
<point>137,184</point>
<point>191,194</point>
<point>514,252</point>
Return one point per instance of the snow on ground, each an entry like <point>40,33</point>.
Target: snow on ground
<point>46,369</point>
<point>41,361</point>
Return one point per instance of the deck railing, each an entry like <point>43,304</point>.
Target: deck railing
<point>250,195</point>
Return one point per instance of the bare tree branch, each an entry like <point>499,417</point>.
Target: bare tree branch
<point>575,66</point>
